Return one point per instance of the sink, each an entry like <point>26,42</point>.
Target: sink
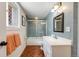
<point>58,41</point>
<point>60,47</point>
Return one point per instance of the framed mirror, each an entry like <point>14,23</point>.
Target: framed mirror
<point>58,23</point>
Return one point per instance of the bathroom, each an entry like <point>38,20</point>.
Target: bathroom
<point>35,24</point>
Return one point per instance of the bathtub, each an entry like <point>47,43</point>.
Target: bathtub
<point>34,40</point>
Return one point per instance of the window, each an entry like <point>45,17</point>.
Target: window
<point>12,18</point>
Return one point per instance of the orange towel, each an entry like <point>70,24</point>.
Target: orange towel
<point>17,39</point>
<point>10,44</point>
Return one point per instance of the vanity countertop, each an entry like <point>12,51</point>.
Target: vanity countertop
<point>59,41</point>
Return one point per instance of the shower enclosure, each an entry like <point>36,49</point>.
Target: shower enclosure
<point>35,30</point>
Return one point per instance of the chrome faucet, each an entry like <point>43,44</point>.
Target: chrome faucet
<point>55,37</point>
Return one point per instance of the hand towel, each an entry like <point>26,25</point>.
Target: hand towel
<point>10,44</point>
<point>17,39</point>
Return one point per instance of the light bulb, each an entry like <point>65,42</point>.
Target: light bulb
<point>52,10</point>
<point>60,11</point>
<point>64,7</point>
<point>36,18</point>
<point>56,7</point>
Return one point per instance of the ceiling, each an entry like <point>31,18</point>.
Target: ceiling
<point>37,9</point>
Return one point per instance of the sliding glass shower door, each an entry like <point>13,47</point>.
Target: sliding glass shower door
<point>36,28</point>
<point>31,28</point>
<point>41,28</point>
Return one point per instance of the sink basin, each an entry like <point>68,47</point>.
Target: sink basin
<point>59,41</point>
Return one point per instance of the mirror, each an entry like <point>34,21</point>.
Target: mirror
<point>58,23</point>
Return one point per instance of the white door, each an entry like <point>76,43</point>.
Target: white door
<point>2,28</point>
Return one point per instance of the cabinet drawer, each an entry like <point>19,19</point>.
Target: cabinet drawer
<point>61,51</point>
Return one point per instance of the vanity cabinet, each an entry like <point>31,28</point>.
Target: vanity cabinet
<point>53,49</point>
<point>61,51</point>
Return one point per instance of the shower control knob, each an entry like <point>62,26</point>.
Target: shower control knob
<point>3,43</point>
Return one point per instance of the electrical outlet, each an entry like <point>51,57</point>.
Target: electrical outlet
<point>68,29</point>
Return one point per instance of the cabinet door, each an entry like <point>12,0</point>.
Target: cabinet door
<point>61,51</point>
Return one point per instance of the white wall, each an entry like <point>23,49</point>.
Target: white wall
<point>22,31</point>
<point>2,27</point>
<point>78,33</point>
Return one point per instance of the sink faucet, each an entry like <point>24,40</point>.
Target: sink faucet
<point>55,37</point>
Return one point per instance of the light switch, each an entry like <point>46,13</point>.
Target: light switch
<point>68,29</point>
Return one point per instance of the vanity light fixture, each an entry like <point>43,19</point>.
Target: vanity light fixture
<point>56,6</point>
